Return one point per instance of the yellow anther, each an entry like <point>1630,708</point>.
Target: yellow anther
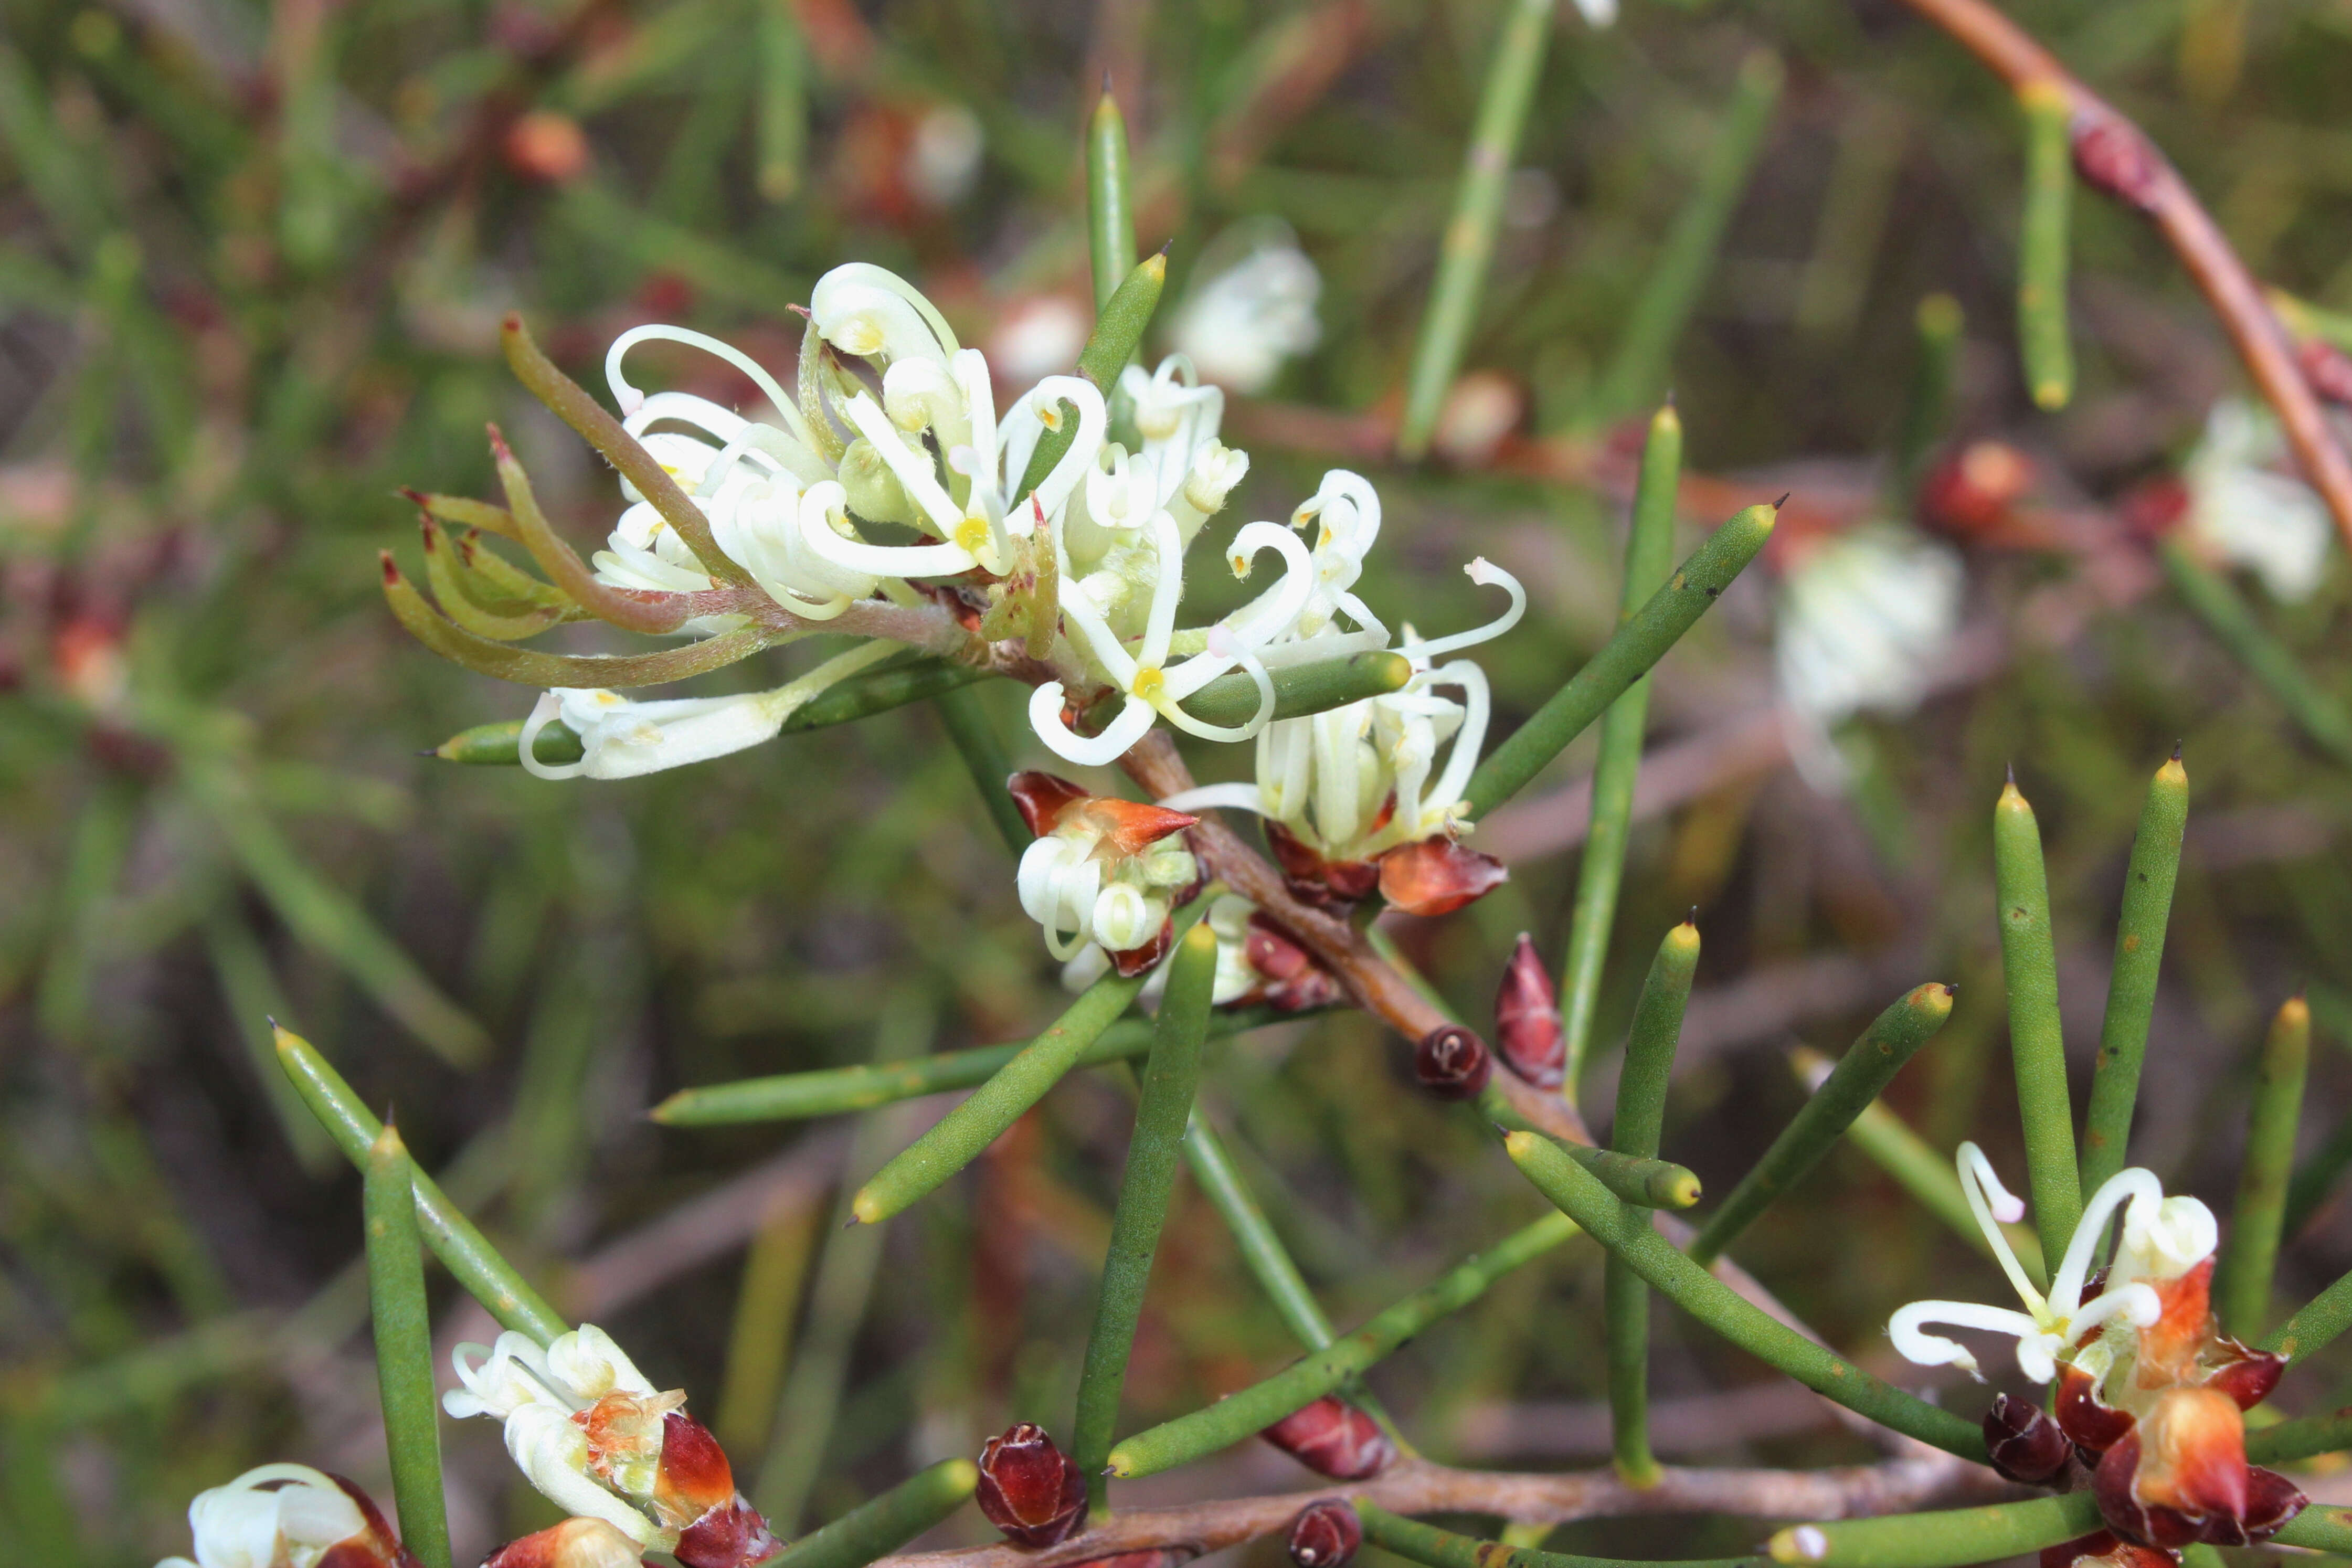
<point>1050,418</point>
<point>1148,682</point>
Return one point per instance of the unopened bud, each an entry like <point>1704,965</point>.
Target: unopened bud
<point>2327,368</point>
<point>1527,1019</point>
<point>574,1543</point>
<point>1325,1535</point>
<point>2025,1445</point>
<point>1215,474</point>
<point>875,492</point>
<point>1029,1490</point>
<point>1452,1063</point>
<point>2115,156</point>
<point>1332,1438</point>
<point>1436,876</point>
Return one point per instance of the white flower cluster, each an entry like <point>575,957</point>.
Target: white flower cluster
<point>275,1516</point>
<point>2242,510</point>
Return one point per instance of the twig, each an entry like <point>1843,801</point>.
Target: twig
<point>2117,155</point>
<point>1413,1486</point>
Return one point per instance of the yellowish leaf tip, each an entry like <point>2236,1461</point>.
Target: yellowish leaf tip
<point>2294,1013</point>
<point>1518,1143</point>
<point>1157,264</point>
<point>1799,1543</point>
<point>865,1209</point>
<point>1201,939</point>
<point>962,1475</point>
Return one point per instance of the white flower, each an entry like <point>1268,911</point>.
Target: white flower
<point>621,737</point>
<point>2162,1239</point>
<point>1082,888</point>
<point>2248,514</point>
<point>1864,622</point>
<point>1239,324</point>
<point>278,1516</point>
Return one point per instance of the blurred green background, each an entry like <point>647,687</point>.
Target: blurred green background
<point>252,259</point>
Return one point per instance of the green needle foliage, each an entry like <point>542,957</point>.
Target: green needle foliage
<point>404,1349</point>
<point>2029,966</point>
<point>2043,339</point>
<point>1942,1539</point>
<point>1418,1543</point>
<point>1110,221</point>
<point>2131,990</point>
<point>2241,1281</point>
<point>1171,1074</point>
<point>881,1526</point>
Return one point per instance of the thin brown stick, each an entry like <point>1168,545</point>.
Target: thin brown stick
<point>1415,1485</point>
<point>2117,155</point>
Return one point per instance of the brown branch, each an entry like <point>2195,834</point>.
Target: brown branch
<point>2117,156</point>
<point>1414,1486</point>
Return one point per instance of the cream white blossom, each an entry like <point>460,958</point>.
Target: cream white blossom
<point>2162,1239</point>
<point>1241,321</point>
<point>276,1516</point>
<point>2247,513</point>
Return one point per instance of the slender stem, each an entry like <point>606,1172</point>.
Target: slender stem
<point>1640,1122</point>
<point>488,1278</point>
<point>1859,1078</point>
<point>2319,1529</point>
<point>1639,644</point>
<point>759,1346</point>
<point>2131,991</point>
<point>830,1092</point>
<point>1468,246</point>
<point>1941,1540</point>
<point>403,1348</point>
<point>1927,409</point>
<point>2231,619</point>
<point>2319,1177</point>
<point>1626,1231</point>
<point>1170,1074</point>
<point>783,126</point>
<point>2242,1285</point>
<point>882,1524</point>
<point>2042,337</point>
<point>2029,967</point>
<point>1268,1261</point>
<point>1420,1543</point>
<point>1649,552</point>
<point>1637,371</point>
<point>2301,1437</point>
<point>1227,1422</point>
<point>977,743</point>
<point>1301,688</point>
<point>1923,1173</point>
<point>2317,1325</point>
<point>956,1139</point>
<point>1110,215</point>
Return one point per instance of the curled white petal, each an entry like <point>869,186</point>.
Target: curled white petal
<point>1915,1344</point>
<point>631,399</point>
<point>1994,1204</point>
<point>1487,574</point>
<point>2136,1187</point>
<point>1099,751</point>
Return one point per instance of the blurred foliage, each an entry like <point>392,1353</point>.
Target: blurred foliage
<point>251,263</point>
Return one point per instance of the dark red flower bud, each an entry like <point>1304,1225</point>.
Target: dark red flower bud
<point>1312,879</point>
<point>2327,368</point>
<point>574,1543</point>
<point>1325,1535</point>
<point>1437,876</point>
<point>2272,1500</point>
<point>732,1535</point>
<point>1028,1488</point>
<point>1294,982</point>
<point>2025,1444</point>
<point>1971,491</point>
<point>1527,1019</point>
<point>1452,1063</point>
<point>695,1477</point>
<point>2181,1476</point>
<point>1332,1438</point>
<point>2094,1424</point>
<point>2116,156</point>
<point>2250,1377</point>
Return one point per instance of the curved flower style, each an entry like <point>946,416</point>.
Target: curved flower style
<point>597,1439</point>
<point>290,1516</point>
<point>2162,1239</point>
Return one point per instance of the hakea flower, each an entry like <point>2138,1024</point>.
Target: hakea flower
<point>290,1516</point>
<point>2150,1392</point>
<point>596,1438</point>
<point>2242,510</point>
<point>1102,871</point>
<point>1240,322</point>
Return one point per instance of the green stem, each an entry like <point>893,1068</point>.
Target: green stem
<point>2242,1285</point>
<point>1170,1077</point>
<point>1637,371</point>
<point>1467,249</point>
<point>1927,409</point>
<point>2131,991</point>
<point>956,1139</point>
<point>855,697</point>
<point>1110,216</point>
<point>1941,1540</point>
<point>1626,1231</point>
<point>881,1525</point>
<point>488,1278</point>
<point>1627,657</point>
<point>2210,595</point>
<point>2318,1177</point>
<point>783,126</point>
<point>1301,688</point>
<point>1418,1542</point>
<point>830,1092</point>
<point>1859,1078</point>
<point>2300,1438</point>
<point>1640,1122</point>
<point>403,1348</point>
<point>983,750</point>
<point>1921,1172</point>
<point>2029,967</point>
<point>1649,551</point>
<point>1268,1261</point>
<point>2043,339</point>
<point>2319,1529</point>
<point>1227,1422</point>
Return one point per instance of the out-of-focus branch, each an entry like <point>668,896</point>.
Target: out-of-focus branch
<point>1414,1486</point>
<point>2115,154</point>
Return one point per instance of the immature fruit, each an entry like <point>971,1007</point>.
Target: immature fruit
<point>1332,1438</point>
<point>1325,1535</point>
<point>2025,1445</point>
<point>1452,1063</point>
<point>1028,1488</point>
